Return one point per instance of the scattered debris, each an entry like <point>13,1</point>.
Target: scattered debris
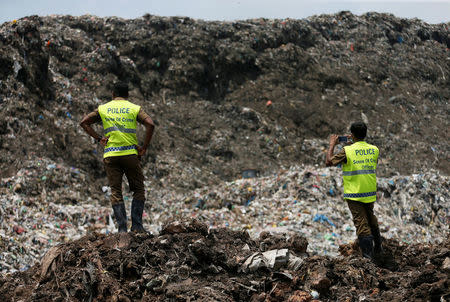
<point>192,262</point>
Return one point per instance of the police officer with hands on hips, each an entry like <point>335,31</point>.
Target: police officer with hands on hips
<point>122,153</point>
<point>359,162</point>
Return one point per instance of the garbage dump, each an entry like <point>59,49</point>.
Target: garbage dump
<point>303,200</point>
<point>189,261</point>
<point>242,111</point>
<point>207,85</point>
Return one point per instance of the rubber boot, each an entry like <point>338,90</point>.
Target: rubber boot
<point>121,216</point>
<point>137,208</point>
<point>366,245</point>
<point>378,248</point>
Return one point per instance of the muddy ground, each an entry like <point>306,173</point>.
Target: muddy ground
<point>187,262</point>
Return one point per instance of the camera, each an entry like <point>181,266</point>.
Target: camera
<point>342,139</point>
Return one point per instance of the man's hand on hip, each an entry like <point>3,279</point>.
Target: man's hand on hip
<point>141,151</point>
<point>104,141</point>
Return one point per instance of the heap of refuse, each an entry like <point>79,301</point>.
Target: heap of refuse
<point>242,111</point>
<point>227,96</point>
<point>302,200</point>
<point>189,261</point>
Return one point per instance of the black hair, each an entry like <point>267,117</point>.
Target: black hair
<point>120,89</point>
<point>359,130</point>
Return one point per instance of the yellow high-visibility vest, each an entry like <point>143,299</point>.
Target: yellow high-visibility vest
<point>119,124</point>
<point>359,173</point>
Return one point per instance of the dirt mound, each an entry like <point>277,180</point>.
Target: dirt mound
<point>207,85</point>
<point>189,262</point>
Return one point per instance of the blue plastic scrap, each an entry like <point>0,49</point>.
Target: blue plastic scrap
<point>247,203</point>
<point>323,218</point>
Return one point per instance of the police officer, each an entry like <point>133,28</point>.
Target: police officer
<point>121,151</point>
<point>359,162</point>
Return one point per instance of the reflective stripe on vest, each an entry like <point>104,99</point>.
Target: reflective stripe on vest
<point>359,173</point>
<point>123,148</point>
<point>124,130</point>
<point>357,195</point>
<point>119,124</point>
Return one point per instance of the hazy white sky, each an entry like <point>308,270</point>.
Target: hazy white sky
<point>433,11</point>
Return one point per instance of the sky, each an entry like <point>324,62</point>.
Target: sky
<point>433,11</point>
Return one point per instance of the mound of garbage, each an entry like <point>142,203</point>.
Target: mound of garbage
<point>208,86</point>
<point>302,200</point>
<point>242,111</point>
<point>188,261</point>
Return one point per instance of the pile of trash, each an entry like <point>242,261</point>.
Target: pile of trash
<point>226,96</point>
<point>189,261</point>
<point>308,200</point>
<point>30,220</point>
<point>301,200</point>
<point>242,111</point>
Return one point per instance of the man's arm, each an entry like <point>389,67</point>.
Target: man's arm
<point>86,123</point>
<point>149,128</point>
<point>330,153</point>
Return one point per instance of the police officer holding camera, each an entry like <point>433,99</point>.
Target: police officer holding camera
<point>359,162</point>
